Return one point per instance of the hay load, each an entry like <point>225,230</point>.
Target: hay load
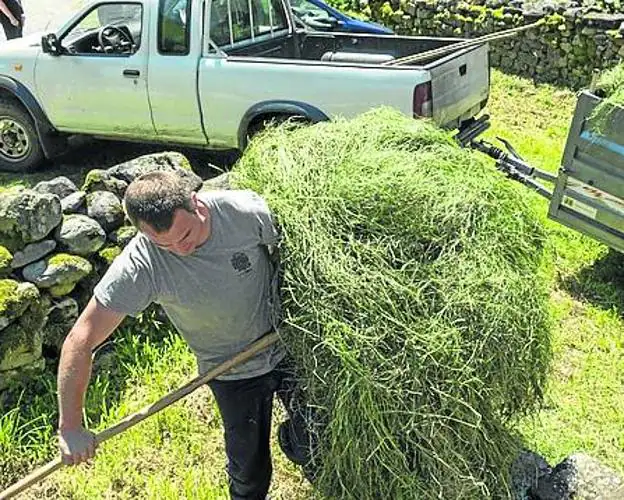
<point>611,89</point>
<point>413,303</point>
<point>611,84</point>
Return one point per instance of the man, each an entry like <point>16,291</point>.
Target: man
<point>209,260</point>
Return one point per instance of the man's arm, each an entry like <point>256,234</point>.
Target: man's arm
<point>94,326</point>
<point>7,12</point>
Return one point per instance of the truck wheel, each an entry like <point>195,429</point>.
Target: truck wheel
<point>20,149</point>
<point>259,124</point>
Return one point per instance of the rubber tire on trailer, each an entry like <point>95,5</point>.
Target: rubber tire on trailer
<point>12,110</point>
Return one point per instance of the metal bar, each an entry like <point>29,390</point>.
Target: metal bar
<point>542,174</point>
<point>229,6</point>
<point>539,188</point>
<point>251,20</point>
<point>587,200</point>
<point>440,51</point>
<point>590,227</point>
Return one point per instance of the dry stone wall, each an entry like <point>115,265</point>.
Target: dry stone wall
<point>572,42</point>
<point>56,241</point>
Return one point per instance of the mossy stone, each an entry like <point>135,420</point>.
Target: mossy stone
<point>15,297</point>
<point>21,340</point>
<point>62,289</point>
<point>94,180</point>
<point>6,258</point>
<point>109,254</point>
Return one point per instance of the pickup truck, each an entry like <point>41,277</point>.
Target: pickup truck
<point>211,73</point>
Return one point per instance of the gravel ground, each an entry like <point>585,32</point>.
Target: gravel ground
<point>87,154</point>
<point>43,14</point>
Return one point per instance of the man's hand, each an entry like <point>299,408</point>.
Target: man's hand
<point>76,445</point>
<point>14,21</point>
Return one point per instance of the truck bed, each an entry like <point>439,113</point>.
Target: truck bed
<point>459,80</point>
<point>314,46</point>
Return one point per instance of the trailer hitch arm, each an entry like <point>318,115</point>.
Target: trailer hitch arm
<point>515,167</point>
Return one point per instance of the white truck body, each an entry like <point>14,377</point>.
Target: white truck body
<point>206,73</point>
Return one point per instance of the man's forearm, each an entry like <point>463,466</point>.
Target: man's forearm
<point>5,10</point>
<point>73,377</point>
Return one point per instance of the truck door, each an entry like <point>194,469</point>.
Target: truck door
<point>172,83</point>
<point>98,83</point>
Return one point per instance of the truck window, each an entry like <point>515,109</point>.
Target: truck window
<point>107,29</point>
<point>304,9</point>
<point>233,21</point>
<point>173,27</point>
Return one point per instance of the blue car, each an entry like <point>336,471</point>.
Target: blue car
<point>319,16</point>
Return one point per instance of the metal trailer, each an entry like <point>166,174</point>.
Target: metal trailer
<point>588,193</point>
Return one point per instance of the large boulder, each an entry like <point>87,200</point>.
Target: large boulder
<point>75,203</point>
<point>61,317</point>
<point>604,20</point>
<point>23,373</point>
<point>123,235</point>
<point>220,182</point>
<point>105,208</point>
<point>60,186</point>
<point>526,471</point>
<point>15,298</point>
<point>32,253</point>
<point>579,476</point>
<point>6,262</point>
<point>168,162</point>
<point>103,180</point>
<point>27,216</point>
<point>80,234</point>
<point>22,315</point>
<point>58,273</point>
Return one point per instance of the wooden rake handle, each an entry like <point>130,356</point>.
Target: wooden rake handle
<point>135,418</point>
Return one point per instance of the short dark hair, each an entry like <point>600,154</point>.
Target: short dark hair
<point>153,198</point>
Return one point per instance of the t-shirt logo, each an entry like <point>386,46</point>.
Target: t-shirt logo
<point>240,262</point>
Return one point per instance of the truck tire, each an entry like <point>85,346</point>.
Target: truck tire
<point>20,149</point>
<point>259,124</point>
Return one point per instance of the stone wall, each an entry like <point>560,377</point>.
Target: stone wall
<point>56,241</point>
<point>565,50</point>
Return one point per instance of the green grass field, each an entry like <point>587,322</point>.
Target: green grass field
<point>179,454</point>
<point>584,406</point>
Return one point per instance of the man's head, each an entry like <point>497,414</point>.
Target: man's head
<point>167,211</point>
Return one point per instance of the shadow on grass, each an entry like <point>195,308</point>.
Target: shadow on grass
<point>601,284</point>
<point>86,154</point>
<point>29,412</point>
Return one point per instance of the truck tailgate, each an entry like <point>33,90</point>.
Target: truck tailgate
<point>460,85</point>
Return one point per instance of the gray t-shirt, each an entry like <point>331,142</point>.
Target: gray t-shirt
<point>222,297</point>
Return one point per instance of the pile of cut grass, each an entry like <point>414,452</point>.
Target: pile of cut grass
<point>611,88</point>
<point>414,303</point>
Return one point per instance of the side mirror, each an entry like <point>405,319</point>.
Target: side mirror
<point>50,44</point>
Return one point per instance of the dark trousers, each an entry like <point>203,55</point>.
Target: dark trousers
<point>11,31</point>
<point>246,406</point>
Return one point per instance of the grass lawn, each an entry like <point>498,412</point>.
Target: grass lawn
<point>179,453</point>
<point>584,406</point>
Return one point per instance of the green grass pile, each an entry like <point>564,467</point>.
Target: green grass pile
<point>611,88</point>
<point>414,303</point>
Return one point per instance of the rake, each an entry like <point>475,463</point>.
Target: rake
<point>131,420</point>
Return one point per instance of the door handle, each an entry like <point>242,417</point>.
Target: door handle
<point>131,73</point>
